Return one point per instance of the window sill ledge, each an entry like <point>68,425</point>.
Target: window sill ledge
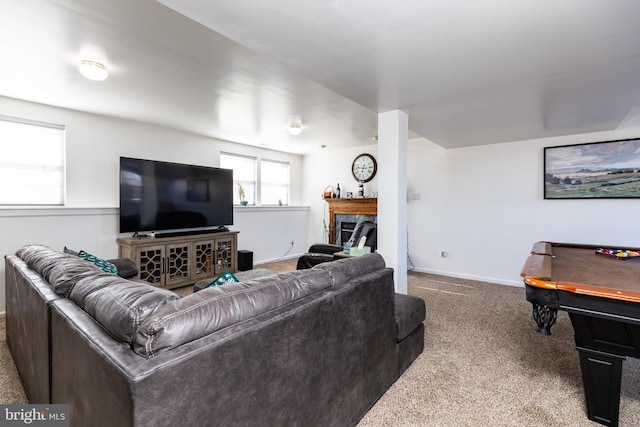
<point>269,208</point>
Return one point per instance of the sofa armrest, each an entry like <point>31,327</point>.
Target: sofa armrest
<point>324,248</point>
<point>127,269</point>
<point>310,260</point>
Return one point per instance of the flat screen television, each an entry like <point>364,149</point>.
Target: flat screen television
<point>156,196</point>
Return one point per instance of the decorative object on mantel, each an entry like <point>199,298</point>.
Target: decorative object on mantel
<point>328,192</point>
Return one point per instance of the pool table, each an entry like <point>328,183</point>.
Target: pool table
<point>599,287</point>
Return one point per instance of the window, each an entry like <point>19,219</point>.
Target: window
<point>244,174</point>
<point>274,178</point>
<point>32,162</point>
<point>272,188</point>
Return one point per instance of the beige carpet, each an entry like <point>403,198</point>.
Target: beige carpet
<point>483,364</point>
<point>11,390</point>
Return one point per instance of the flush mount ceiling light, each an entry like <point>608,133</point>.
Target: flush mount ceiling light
<point>295,128</point>
<point>93,70</point>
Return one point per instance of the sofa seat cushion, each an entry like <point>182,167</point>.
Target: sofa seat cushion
<point>217,307</point>
<point>410,313</point>
<point>119,305</point>
<point>61,270</point>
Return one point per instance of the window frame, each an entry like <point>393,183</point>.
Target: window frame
<point>245,183</point>
<point>287,186</point>
<point>53,195</point>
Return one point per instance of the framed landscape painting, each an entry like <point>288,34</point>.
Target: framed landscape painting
<point>598,170</point>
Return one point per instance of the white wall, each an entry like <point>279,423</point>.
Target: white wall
<point>95,144</point>
<point>483,205</point>
<point>89,220</point>
<point>326,168</point>
<point>269,231</point>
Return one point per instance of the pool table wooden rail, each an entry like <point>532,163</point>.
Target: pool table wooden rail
<point>537,272</point>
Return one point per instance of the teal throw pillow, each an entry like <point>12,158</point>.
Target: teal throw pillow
<point>223,279</point>
<point>106,266</point>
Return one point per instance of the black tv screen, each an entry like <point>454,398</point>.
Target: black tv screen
<point>170,196</point>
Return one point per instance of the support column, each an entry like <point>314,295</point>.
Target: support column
<point>393,130</point>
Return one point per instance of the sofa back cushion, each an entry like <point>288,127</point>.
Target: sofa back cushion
<point>344,270</point>
<point>217,307</point>
<point>119,305</point>
<point>62,271</point>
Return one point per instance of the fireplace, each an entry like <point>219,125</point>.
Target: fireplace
<point>346,223</point>
<point>349,212</point>
<point>344,230</point>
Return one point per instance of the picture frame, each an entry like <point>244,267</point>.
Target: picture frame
<point>595,170</point>
<point>349,195</point>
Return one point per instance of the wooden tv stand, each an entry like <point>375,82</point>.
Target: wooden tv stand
<point>171,262</point>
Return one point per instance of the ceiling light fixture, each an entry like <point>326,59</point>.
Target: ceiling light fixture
<point>295,128</point>
<point>93,70</point>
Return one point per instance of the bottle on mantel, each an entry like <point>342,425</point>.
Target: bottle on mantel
<point>338,191</point>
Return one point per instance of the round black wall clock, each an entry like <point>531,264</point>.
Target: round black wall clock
<point>364,167</point>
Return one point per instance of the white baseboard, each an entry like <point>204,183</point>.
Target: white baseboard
<point>516,283</point>
<point>284,258</point>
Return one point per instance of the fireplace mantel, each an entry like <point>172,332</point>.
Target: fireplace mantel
<point>359,206</point>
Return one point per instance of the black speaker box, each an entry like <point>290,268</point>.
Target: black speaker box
<point>245,260</point>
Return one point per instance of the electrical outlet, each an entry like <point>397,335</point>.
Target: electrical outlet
<point>443,253</point>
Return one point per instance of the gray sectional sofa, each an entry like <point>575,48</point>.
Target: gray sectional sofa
<point>310,347</point>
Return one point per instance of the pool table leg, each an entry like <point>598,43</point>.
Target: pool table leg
<point>545,317</point>
<point>601,377</point>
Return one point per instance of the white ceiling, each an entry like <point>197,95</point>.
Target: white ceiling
<point>466,72</point>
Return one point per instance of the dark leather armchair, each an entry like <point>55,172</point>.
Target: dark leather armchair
<point>323,252</point>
